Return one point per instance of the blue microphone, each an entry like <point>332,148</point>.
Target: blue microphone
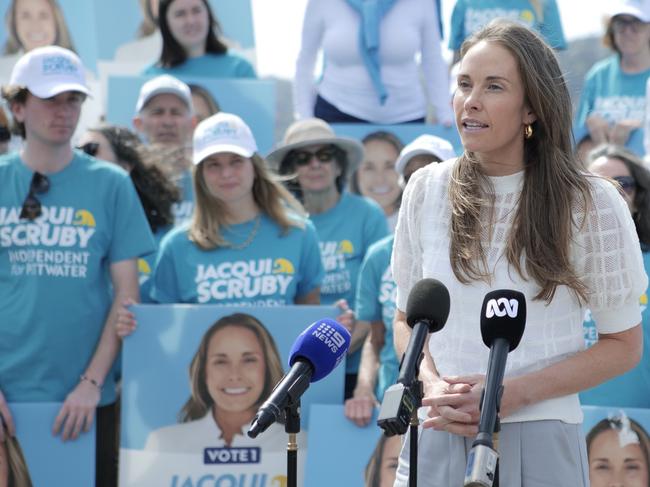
<point>314,354</point>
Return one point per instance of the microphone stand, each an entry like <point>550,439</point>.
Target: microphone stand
<point>292,427</point>
<point>416,388</point>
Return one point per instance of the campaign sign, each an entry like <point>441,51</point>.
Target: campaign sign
<point>43,458</point>
<point>119,21</point>
<point>253,100</point>
<point>193,378</point>
<point>406,132</point>
<point>68,23</point>
<point>328,427</point>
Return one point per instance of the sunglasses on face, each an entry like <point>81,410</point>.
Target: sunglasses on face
<point>620,24</point>
<point>90,148</point>
<point>300,157</point>
<point>5,135</point>
<point>31,209</point>
<point>627,183</point>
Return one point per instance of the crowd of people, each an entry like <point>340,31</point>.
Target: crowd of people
<point>183,207</point>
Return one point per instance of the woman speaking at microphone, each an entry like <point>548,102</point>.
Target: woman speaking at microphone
<point>516,211</point>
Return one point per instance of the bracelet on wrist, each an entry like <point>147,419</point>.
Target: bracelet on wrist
<point>91,380</point>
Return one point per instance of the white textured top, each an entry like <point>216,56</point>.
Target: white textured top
<point>605,253</point>
<point>410,27</point>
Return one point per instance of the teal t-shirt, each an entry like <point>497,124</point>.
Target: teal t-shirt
<point>55,287</point>
<point>273,270</point>
<point>183,209</point>
<point>376,293</point>
<point>346,231</point>
<point>469,16</point>
<point>632,389</point>
<point>146,265</point>
<point>615,96</point>
<point>208,66</point>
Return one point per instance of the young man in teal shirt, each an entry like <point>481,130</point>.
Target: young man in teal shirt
<point>71,230</point>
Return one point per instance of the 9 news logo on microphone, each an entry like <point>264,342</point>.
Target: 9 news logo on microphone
<point>330,336</point>
<point>502,306</point>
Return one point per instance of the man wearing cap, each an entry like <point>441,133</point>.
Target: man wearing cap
<point>165,120</point>
<point>347,224</point>
<point>376,292</point>
<point>71,229</point>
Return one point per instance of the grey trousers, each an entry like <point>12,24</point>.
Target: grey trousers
<point>531,454</point>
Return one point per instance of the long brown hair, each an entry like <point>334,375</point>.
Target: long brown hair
<point>543,224</point>
<point>200,400</point>
<point>270,197</point>
<point>13,44</point>
<point>16,465</point>
<point>173,53</point>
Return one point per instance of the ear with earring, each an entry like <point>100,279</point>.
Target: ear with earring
<point>528,131</point>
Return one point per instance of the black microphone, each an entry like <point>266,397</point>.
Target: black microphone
<point>503,318</point>
<point>427,310</point>
<point>314,354</point>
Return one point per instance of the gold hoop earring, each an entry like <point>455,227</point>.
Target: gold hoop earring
<point>528,131</point>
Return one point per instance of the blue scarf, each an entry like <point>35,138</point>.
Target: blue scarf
<point>371,12</point>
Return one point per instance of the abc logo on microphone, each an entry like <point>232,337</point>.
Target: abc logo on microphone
<point>502,306</point>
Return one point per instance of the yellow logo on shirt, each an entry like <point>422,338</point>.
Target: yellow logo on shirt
<point>346,247</point>
<point>283,266</point>
<point>143,267</point>
<point>527,16</point>
<point>85,218</point>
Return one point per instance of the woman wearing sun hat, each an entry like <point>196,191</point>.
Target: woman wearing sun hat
<point>248,242</point>
<point>318,161</point>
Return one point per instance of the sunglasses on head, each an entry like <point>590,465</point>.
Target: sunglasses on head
<point>90,148</point>
<point>31,209</point>
<point>627,183</point>
<point>301,157</point>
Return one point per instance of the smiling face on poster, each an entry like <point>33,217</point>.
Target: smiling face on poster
<point>188,419</point>
<point>618,446</point>
<point>36,23</point>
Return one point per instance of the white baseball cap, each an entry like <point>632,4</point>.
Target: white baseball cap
<point>223,132</point>
<point>636,8</point>
<point>164,84</point>
<point>48,71</point>
<point>424,144</point>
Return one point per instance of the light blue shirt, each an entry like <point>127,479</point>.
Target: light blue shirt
<point>632,389</point>
<point>346,231</point>
<point>469,16</point>
<point>614,96</point>
<point>208,66</point>
<point>55,287</point>
<point>376,292</point>
<point>274,270</point>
